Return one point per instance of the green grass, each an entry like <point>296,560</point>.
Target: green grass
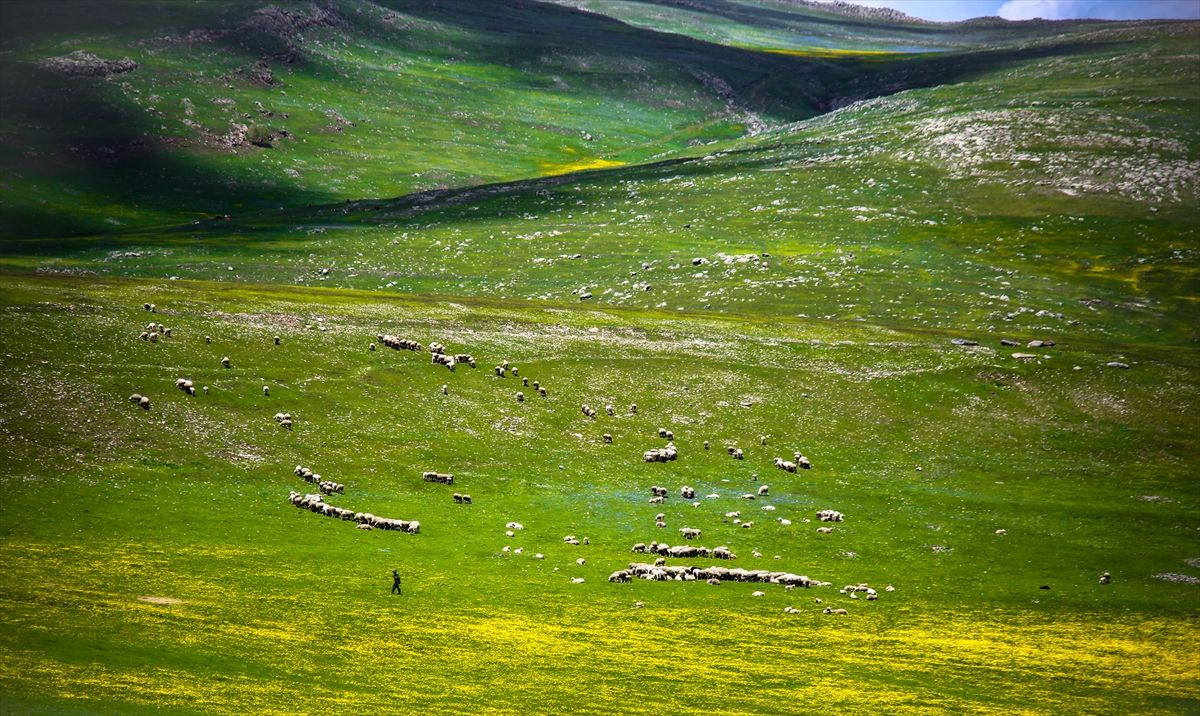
<point>1032,181</point>
<point>106,503</point>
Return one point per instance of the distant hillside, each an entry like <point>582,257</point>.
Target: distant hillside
<point>1052,186</point>
<point>812,25</point>
<point>147,112</point>
<point>150,112</point>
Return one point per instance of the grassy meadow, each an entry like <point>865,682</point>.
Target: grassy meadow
<point>757,221</point>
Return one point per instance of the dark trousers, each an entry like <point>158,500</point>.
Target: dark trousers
<point>396,587</point>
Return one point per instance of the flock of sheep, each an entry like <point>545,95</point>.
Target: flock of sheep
<point>366,520</point>
<point>657,571</point>
<point>712,575</point>
<point>327,487</point>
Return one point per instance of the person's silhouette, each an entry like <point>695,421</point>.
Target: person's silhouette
<point>396,582</point>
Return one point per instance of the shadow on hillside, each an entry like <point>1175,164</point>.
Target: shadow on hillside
<point>80,129</point>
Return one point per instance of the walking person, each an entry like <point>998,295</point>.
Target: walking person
<point>396,582</point>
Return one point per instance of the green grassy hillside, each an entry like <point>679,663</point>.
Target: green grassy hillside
<point>1054,194</point>
<point>927,448</point>
<point>375,99</point>
<point>760,222</point>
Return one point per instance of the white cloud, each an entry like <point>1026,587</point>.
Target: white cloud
<point>1099,9</point>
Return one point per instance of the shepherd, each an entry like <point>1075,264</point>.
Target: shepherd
<point>396,582</point>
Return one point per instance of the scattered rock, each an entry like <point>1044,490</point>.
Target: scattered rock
<point>1177,578</point>
<point>84,64</point>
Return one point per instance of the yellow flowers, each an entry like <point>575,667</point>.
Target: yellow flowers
<point>552,168</point>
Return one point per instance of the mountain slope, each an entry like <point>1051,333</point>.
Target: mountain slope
<point>355,99</point>
<point>1049,194</point>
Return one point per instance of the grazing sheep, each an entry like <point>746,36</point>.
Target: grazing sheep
<point>364,527</point>
<point>747,525</point>
<point>839,612</point>
<point>670,435</point>
<point>689,532</point>
<point>207,339</point>
<point>758,594</point>
<point>515,526</point>
<point>633,408</point>
<point>580,561</point>
<point>762,439</point>
<point>466,499</point>
<point>500,371</point>
<point>276,340</point>
<point>621,575</point>
<point>731,515</point>
<point>824,530</point>
<point>572,540</point>
<point>660,516</point>
<point>662,432</point>
<point>714,581</point>
<point>542,391</point>
<point>445,389</point>
<point>458,498</point>
<point>154,338</point>
<point>525,382</point>
<point>440,477</point>
<point>266,390</point>
<point>607,438</point>
<point>144,403</point>
<point>658,491</point>
<point>803,462</point>
<point>665,454</point>
<point>608,409</point>
<point>705,444</point>
<point>749,496</point>
<point>135,398</point>
<point>660,523</point>
<point>225,361</point>
<point>1001,532</point>
<point>687,493</point>
<point>830,516</point>
<point>763,489</point>
<point>371,347</point>
<point>1106,578</point>
<point>167,332</point>
<point>785,521</point>
<point>520,397</point>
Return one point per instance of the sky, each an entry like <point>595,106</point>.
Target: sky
<point>951,10</point>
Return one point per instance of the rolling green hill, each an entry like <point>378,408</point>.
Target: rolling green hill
<point>955,266</point>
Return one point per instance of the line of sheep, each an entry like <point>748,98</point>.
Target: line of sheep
<point>284,419</point>
<point>713,575</point>
<point>682,550</point>
<point>439,477</point>
<point>397,344</point>
<point>366,520</point>
<point>327,487</point>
